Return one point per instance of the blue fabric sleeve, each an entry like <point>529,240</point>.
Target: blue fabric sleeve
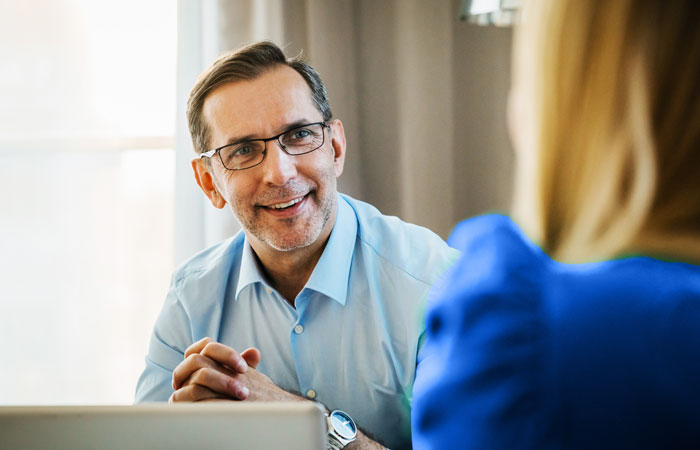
<point>166,350</point>
<point>477,377</point>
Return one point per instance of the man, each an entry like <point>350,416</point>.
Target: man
<point>325,294</point>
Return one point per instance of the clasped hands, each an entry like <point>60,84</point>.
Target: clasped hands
<point>212,371</point>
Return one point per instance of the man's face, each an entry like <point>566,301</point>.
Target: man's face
<point>287,202</point>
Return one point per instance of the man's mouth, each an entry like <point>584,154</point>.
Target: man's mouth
<point>288,208</point>
<point>286,205</point>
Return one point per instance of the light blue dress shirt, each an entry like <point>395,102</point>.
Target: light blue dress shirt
<point>352,341</point>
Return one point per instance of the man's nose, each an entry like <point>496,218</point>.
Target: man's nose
<point>279,167</point>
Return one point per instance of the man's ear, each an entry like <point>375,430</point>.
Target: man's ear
<point>337,136</point>
<point>205,180</point>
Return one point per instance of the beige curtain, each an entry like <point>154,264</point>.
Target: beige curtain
<point>421,94</point>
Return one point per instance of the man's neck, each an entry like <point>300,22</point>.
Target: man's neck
<point>288,271</point>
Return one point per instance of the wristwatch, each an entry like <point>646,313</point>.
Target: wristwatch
<point>341,429</point>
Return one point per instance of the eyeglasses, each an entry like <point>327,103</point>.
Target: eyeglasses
<point>247,154</point>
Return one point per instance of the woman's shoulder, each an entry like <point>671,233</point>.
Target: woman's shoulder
<point>497,277</point>
<point>482,357</point>
<point>490,229</point>
<point>499,273</point>
<point>513,336</point>
<point>623,297</point>
<point>496,256</point>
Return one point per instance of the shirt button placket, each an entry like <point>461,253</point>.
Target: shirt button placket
<point>298,330</point>
<point>303,359</point>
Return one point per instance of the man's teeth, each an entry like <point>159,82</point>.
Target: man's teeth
<point>286,205</point>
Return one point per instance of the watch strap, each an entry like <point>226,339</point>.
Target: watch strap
<point>333,443</point>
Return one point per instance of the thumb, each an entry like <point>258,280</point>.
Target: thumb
<point>251,356</point>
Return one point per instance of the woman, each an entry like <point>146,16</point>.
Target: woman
<point>583,330</point>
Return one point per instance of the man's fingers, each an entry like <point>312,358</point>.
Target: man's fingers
<point>195,393</point>
<point>220,353</point>
<point>252,357</point>
<point>213,366</point>
<point>200,370</point>
<point>217,381</point>
<point>198,346</point>
<point>225,355</point>
<point>186,368</point>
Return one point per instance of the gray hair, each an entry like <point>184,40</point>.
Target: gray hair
<point>247,63</point>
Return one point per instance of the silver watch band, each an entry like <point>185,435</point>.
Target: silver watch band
<point>333,444</point>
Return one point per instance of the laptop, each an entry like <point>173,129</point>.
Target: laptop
<point>236,425</point>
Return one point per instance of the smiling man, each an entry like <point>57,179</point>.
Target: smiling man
<point>320,297</point>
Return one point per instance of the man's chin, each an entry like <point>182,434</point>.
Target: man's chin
<point>287,245</point>
<point>286,235</point>
<point>287,240</point>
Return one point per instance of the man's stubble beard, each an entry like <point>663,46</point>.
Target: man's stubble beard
<point>296,238</point>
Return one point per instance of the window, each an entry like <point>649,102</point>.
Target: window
<point>87,179</point>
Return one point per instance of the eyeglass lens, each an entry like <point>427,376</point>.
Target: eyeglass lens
<point>294,142</point>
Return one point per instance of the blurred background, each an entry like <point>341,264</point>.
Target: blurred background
<point>98,204</point>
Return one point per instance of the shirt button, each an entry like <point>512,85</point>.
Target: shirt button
<point>268,290</point>
<point>311,394</point>
<point>298,329</point>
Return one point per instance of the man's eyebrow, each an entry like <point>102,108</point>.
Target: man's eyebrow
<point>253,137</point>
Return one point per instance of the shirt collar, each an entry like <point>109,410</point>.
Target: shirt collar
<point>249,272</point>
<point>332,272</point>
<point>331,275</point>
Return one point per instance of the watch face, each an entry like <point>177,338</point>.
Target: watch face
<point>343,425</point>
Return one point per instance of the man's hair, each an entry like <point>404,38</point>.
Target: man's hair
<point>610,163</point>
<point>247,63</point>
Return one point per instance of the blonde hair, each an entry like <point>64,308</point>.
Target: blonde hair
<point>610,162</point>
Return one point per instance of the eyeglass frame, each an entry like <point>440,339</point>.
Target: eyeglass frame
<point>210,153</point>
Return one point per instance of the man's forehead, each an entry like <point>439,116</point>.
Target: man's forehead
<point>278,97</point>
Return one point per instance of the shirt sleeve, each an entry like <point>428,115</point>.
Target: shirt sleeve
<point>477,380</point>
<point>171,337</point>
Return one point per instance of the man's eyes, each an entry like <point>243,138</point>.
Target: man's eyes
<point>301,134</point>
<point>243,150</point>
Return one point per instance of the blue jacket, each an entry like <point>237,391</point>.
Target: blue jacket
<point>523,352</point>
